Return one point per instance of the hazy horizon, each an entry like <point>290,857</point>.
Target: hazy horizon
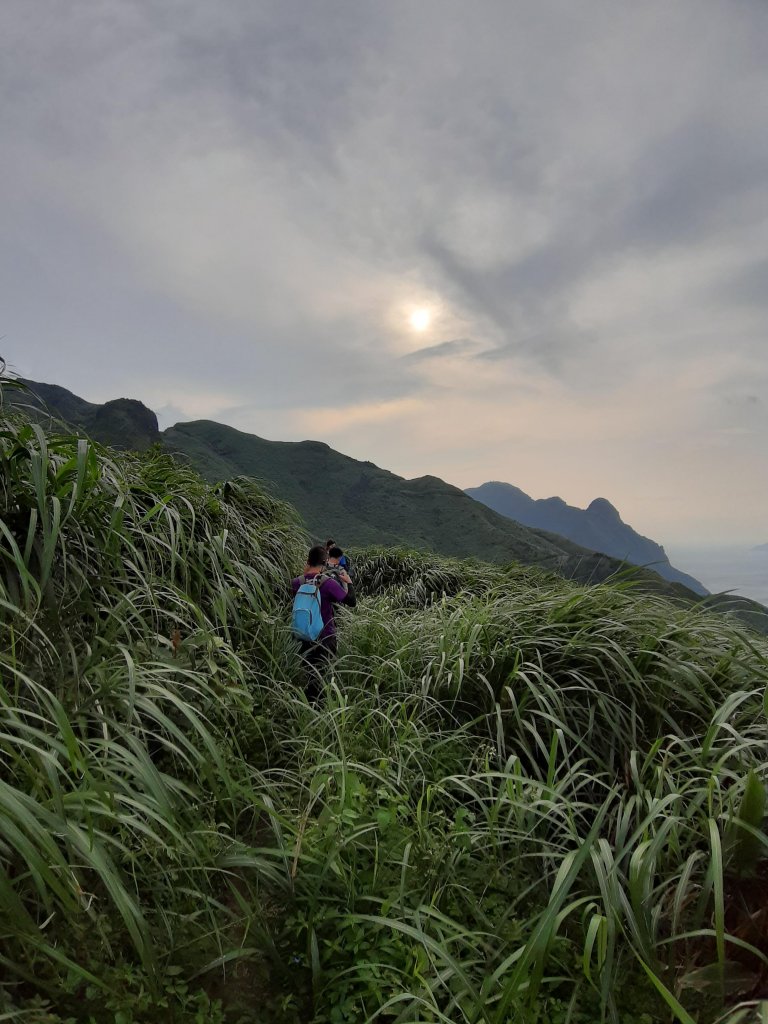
<point>526,247</point>
<point>733,569</point>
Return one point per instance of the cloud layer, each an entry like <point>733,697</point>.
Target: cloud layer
<point>232,210</point>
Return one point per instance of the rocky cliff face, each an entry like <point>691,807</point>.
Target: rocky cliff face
<point>125,423</point>
<point>121,423</point>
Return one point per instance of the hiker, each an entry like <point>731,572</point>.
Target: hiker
<point>338,557</point>
<point>337,566</point>
<point>313,620</point>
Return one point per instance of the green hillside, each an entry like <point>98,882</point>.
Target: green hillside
<point>357,502</point>
<point>520,799</point>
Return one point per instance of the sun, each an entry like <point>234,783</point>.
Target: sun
<point>420,319</point>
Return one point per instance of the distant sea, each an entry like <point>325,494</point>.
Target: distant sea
<point>738,569</point>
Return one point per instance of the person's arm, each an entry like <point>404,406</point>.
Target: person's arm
<point>335,592</point>
<point>350,597</point>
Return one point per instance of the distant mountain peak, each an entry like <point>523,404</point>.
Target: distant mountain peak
<point>501,485</point>
<point>316,446</point>
<point>598,527</point>
<point>602,507</point>
<point>133,407</point>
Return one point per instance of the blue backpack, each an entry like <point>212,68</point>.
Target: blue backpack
<point>307,622</point>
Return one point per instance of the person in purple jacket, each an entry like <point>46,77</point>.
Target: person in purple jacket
<point>319,652</point>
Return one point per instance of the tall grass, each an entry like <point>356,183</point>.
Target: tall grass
<point>136,603</point>
<point>569,755</point>
<point>520,800</point>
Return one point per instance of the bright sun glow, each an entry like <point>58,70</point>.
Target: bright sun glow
<point>420,319</point>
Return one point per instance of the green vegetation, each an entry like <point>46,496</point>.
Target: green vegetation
<point>522,800</point>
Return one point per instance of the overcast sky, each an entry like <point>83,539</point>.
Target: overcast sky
<point>234,210</point>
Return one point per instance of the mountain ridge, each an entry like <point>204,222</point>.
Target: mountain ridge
<point>358,501</point>
<point>598,526</point>
<point>365,503</point>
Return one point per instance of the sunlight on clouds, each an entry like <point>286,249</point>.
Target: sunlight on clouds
<point>415,321</point>
<point>531,424</point>
<point>420,318</point>
<point>608,253</point>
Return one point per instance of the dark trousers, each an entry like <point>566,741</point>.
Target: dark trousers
<point>316,655</point>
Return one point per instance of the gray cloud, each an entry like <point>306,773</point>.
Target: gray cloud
<point>229,209</point>
<point>454,347</point>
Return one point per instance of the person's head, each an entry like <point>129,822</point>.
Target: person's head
<point>317,556</point>
<point>329,544</point>
<point>334,554</point>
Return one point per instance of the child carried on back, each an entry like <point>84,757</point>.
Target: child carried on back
<point>335,566</point>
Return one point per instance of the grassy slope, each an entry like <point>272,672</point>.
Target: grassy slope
<point>357,501</point>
